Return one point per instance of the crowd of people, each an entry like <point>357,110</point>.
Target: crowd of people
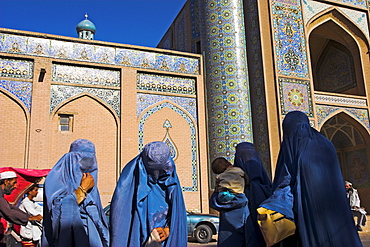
<point>148,209</point>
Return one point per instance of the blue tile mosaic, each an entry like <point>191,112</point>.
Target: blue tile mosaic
<point>61,93</point>
<point>16,68</point>
<point>20,89</point>
<point>289,40</point>
<point>357,167</point>
<point>85,75</point>
<point>295,95</point>
<point>229,112</point>
<point>169,84</point>
<point>324,112</point>
<point>144,101</point>
<point>193,134</point>
<point>10,43</point>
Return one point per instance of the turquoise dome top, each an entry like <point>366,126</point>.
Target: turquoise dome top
<point>86,25</point>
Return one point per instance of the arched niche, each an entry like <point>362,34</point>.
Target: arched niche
<point>90,119</point>
<point>352,143</point>
<point>13,131</point>
<point>335,45</point>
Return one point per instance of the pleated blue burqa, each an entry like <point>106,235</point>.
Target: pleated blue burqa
<point>321,209</point>
<point>258,188</point>
<point>148,195</point>
<point>66,223</point>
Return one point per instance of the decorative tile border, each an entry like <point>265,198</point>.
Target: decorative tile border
<point>311,8</point>
<point>10,43</point>
<point>295,95</point>
<point>61,93</point>
<point>85,75</point>
<point>16,68</point>
<point>358,17</point>
<point>229,110</point>
<point>20,89</point>
<point>289,40</point>
<point>169,84</point>
<point>144,101</point>
<point>330,99</point>
<point>323,112</point>
<point>355,3</point>
<point>194,159</point>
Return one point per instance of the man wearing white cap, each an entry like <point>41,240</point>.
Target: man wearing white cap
<point>8,182</point>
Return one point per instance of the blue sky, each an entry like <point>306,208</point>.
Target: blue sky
<point>134,22</point>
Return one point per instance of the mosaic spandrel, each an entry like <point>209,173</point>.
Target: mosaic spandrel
<point>85,75</point>
<point>16,68</point>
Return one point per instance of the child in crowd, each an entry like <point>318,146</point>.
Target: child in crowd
<point>230,180</point>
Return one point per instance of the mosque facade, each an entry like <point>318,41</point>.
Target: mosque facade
<point>54,90</point>
<point>263,59</point>
<point>226,71</point>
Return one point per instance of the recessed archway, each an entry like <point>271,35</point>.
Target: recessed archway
<point>335,55</point>
<point>352,143</point>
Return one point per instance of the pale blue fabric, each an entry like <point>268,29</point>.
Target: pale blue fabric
<point>321,211</point>
<point>65,222</point>
<point>148,195</point>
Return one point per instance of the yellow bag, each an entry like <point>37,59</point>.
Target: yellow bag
<point>274,226</point>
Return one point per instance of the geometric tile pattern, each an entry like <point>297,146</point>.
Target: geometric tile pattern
<point>357,167</point>
<point>193,138</point>
<point>228,103</point>
<point>16,68</point>
<point>355,3</point>
<point>35,46</point>
<point>295,95</point>
<point>289,40</point>
<point>330,99</point>
<point>20,89</point>
<point>61,93</point>
<point>311,8</point>
<point>324,112</point>
<point>144,101</point>
<point>359,18</point>
<point>168,84</point>
<point>85,75</point>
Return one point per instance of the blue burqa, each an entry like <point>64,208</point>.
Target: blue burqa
<point>321,211</point>
<point>66,223</point>
<point>234,220</point>
<point>148,195</point>
<point>258,188</point>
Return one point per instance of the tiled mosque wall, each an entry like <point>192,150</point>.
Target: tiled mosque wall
<point>227,83</point>
<point>182,102</point>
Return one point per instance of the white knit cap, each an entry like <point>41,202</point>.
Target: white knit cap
<point>8,174</point>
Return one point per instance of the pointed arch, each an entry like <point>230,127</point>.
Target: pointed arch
<point>337,49</point>
<point>14,130</point>
<point>86,94</point>
<point>148,112</point>
<point>348,115</point>
<point>352,143</point>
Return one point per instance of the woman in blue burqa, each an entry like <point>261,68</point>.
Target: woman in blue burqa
<point>73,214</point>
<point>258,188</point>
<point>147,207</point>
<point>321,211</point>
